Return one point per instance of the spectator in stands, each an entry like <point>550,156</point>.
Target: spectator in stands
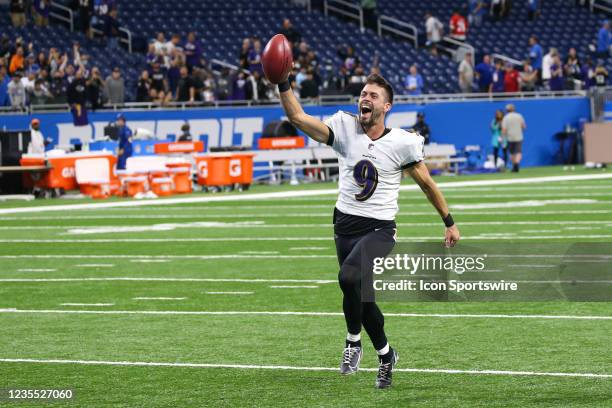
<point>173,46</point>
<point>111,29</point>
<point>349,58</point>
<point>414,81</point>
<point>336,82</point>
<point>573,71</point>
<point>434,30</point>
<point>588,73</point>
<point>290,32</point>
<point>4,82</point>
<point>309,88</point>
<point>17,61</point>
<point>458,26</point>
<point>42,61</point>
<point>528,77</point>
<point>29,79</point>
<point>39,94</point>
<point>173,74</point>
<point>159,86</point>
<point>477,9</point>
<point>484,74</point>
<point>498,85</point>
<point>255,57</point>
<point>243,57</point>
<point>557,81</point>
<point>18,13</point>
<point>115,87</point>
<point>185,91</point>
<point>85,13</point>
<point>369,14</point>
<point>77,98</point>
<point>357,81</point>
<point>604,40</point>
<point>17,92</point>
<point>239,84</point>
<point>144,87</point>
<point>547,62</point>
<point>422,128</point>
<point>497,9</point>
<point>160,44</point>
<point>95,89</point>
<point>497,141</point>
<point>186,134</point>
<point>535,55</point>
<point>511,78</point>
<point>59,86</point>
<point>533,9</point>
<point>41,12</point>
<point>193,51</point>
<point>600,78</point>
<point>466,73</point>
<point>513,126</point>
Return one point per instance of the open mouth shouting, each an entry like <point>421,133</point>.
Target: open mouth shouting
<point>365,110</point>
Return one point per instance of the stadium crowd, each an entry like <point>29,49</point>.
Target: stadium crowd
<point>177,71</point>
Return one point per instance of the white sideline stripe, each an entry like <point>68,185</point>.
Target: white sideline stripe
<point>288,215</point>
<point>329,225</point>
<point>159,298</point>
<point>299,368</point>
<point>87,304</point>
<point>293,287</point>
<point>259,252</point>
<point>515,204</point>
<point>94,265</point>
<point>150,260</point>
<point>239,239</point>
<point>229,293</point>
<point>289,194</point>
<point>308,248</point>
<point>36,270</point>
<point>286,313</point>
<point>133,279</point>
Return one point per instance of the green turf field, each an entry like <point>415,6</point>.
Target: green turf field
<point>190,305</point>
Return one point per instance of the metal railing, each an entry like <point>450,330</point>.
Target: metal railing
<point>323,100</point>
<point>127,40</point>
<point>350,10</point>
<point>601,5</point>
<point>390,24</point>
<point>224,64</point>
<point>457,49</point>
<point>506,59</point>
<point>67,17</point>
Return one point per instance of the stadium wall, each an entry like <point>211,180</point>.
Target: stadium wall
<point>459,123</point>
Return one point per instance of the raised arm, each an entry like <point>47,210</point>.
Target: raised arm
<point>313,127</point>
<point>421,176</point>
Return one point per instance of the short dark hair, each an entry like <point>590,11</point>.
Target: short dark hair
<point>376,79</point>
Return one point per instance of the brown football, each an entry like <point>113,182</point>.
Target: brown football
<point>277,59</point>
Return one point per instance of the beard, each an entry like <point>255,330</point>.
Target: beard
<point>370,119</point>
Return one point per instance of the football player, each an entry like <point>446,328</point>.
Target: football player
<point>371,158</point>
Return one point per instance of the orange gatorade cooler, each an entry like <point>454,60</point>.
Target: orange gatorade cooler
<point>181,175</point>
<point>245,174</point>
<point>133,185</point>
<point>162,186</point>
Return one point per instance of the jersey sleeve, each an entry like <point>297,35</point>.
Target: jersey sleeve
<point>337,125</point>
<point>413,151</point>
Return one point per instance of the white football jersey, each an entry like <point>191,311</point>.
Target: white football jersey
<point>371,170</point>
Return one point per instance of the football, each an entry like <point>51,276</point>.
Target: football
<point>277,59</point>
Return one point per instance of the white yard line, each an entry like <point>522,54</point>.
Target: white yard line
<point>299,368</point>
<point>94,265</point>
<point>289,194</point>
<point>36,270</point>
<point>309,248</point>
<point>325,214</point>
<point>293,287</point>
<point>145,279</point>
<point>594,224</point>
<point>229,293</point>
<point>150,260</point>
<point>495,236</point>
<point>159,298</point>
<point>289,313</point>
<point>87,304</point>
